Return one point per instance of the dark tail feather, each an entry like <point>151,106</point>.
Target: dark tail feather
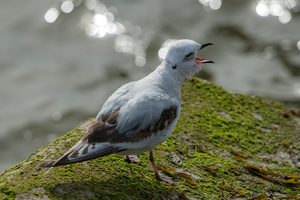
<point>47,164</point>
<point>64,160</point>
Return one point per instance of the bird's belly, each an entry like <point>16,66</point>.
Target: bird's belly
<point>145,145</point>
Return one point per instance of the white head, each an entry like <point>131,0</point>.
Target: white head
<point>182,58</point>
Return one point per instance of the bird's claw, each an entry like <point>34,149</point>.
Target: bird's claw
<point>164,178</point>
<point>132,158</point>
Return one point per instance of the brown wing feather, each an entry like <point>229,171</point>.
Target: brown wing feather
<point>100,132</point>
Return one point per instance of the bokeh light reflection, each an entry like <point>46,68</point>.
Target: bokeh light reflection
<point>285,17</point>
<point>278,8</point>
<point>136,30</point>
<point>215,4</point>
<point>91,29</point>
<point>298,45</point>
<point>109,16</point>
<point>262,9</point>
<point>268,53</point>
<point>101,32</point>
<point>140,61</point>
<point>204,2</point>
<point>120,28</point>
<point>111,28</point>
<point>164,48</point>
<point>90,4</point>
<point>290,4</point>
<point>211,4</point>
<point>99,20</point>
<point>67,6</point>
<point>51,15</point>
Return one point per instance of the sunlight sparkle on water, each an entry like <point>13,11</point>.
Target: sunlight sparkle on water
<point>211,4</point>
<point>136,30</point>
<point>120,28</point>
<point>111,28</point>
<point>215,4</point>
<point>268,53</point>
<point>262,10</point>
<point>164,48</point>
<point>290,4</point>
<point>109,16</point>
<point>298,45</point>
<point>162,52</point>
<point>90,4</point>
<point>101,32</point>
<point>99,20</point>
<point>91,29</point>
<point>67,6</point>
<point>204,2</point>
<point>51,15</point>
<point>124,43</point>
<point>285,17</point>
<point>140,61</point>
<point>278,8</point>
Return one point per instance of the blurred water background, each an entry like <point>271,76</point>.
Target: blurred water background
<point>60,60</point>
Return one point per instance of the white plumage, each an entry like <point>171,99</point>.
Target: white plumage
<point>142,114</point>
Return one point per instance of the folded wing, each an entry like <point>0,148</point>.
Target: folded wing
<point>129,121</point>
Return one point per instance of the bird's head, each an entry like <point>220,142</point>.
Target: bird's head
<point>182,57</point>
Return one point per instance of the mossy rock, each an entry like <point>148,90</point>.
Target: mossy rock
<point>218,133</point>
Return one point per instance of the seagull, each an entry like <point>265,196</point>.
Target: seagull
<point>142,114</point>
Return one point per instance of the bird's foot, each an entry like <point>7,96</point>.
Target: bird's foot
<point>132,158</point>
<point>164,178</point>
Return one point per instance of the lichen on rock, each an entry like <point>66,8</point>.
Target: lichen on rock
<point>212,119</point>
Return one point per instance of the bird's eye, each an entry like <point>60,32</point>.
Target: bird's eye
<point>189,55</point>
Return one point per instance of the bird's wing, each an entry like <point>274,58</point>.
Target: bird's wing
<point>140,118</point>
<point>137,119</point>
<point>118,99</point>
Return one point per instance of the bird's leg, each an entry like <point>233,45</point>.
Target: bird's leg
<point>132,158</point>
<point>158,175</point>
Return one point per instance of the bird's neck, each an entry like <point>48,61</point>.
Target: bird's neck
<point>167,81</point>
<point>170,75</point>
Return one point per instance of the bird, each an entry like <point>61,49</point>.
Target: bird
<point>140,115</point>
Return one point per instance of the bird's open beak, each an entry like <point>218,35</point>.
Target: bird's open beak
<point>205,45</point>
<point>200,60</point>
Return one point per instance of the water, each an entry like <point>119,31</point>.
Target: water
<point>55,75</point>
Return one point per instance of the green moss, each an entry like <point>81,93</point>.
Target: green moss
<point>202,123</point>
<point>7,191</point>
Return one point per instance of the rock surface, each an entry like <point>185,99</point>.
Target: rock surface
<point>218,135</point>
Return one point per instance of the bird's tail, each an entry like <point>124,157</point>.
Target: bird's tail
<point>82,151</point>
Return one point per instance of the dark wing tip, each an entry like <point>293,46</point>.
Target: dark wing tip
<point>47,164</point>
